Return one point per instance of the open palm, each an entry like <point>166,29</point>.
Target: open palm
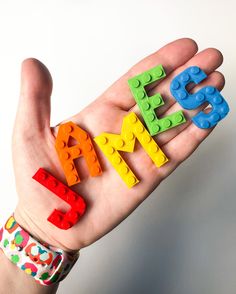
<point>108,199</point>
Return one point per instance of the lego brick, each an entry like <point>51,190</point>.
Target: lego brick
<point>132,129</point>
<point>208,94</point>
<point>67,154</point>
<point>147,105</point>
<point>62,220</point>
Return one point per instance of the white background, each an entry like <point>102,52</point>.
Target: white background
<point>182,240</point>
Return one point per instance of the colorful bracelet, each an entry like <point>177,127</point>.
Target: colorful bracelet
<point>45,263</point>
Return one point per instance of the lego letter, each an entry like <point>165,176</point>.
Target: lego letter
<point>132,128</point>
<point>67,154</point>
<point>209,94</point>
<point>147,105</point>
<point>62,220</point>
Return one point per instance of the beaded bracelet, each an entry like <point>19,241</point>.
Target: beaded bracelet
<point>45,263</point>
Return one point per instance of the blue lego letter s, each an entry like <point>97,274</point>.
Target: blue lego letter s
<point>209,94</point>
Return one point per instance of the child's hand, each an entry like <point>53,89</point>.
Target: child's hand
<point>108,199</point>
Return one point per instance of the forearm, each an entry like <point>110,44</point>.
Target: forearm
<point>14,280</point>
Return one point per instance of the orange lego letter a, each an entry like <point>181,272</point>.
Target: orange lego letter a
<point>67,154</point>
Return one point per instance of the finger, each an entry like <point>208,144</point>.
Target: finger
<point>208,60</point>
<point>215,79</point>
<point>170,56</point>
<point>33,113</point>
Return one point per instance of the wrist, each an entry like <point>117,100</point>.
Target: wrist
<point>31,226</point>
<point>15,281</point>
<point>45,263</point>
<point>28,225</point>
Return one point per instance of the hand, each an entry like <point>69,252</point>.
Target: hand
<point>108,199</point>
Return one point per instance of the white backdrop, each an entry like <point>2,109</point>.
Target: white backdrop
<point>182,240</point>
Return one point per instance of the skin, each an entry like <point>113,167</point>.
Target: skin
<point>108,199</point>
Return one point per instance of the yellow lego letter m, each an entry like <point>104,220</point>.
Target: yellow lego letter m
<point>132,129</point>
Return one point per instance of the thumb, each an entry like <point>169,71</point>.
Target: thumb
<point>33,113</point>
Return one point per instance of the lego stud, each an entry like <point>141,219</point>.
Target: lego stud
<point>69,167</point>
<point>205,124</point>
<point>124,170</point>
<point>55,217</point>
<point>84,136</point>
<point>158,71</point>
<point>73,216</point>
<point>71,197</point>
<point>147,77</point>
<point>42,176</point>
<point>179,117</point>
<point>103,140</point>
<point>92,158</point>
<point>175,85</point>
<point>62,190</point>
<point>167,123</point>
<point>88,147</point>
<point>68,128</point>
<point>61,144</point>
<point>96,169</point>
<point>117,160</point>
<point>135,83</point>
<point>146,138</point>
<point>133,119</point>
<point>129,136</point>
<point>182,95</point>
<point>185,77</point>
<point>131,180</point>
<point>156,128</point>
<point>65,155</point>
<point>200,97</point>
<point>76,152</point>
<point>141,94</point>
<point>146,105</point>
<point>120,143</point>
<point>210,90</point>
<point>154,148</point>
<point>80,206</point>
<point>65,225</point>
<point>223,110</point>
<point>215,117</point>
<point>73,178</point>
<point>194,70</point>
<point>217,99</point>
<point>110,150</point>
<point>52,183</point>
<point>162,159</point>
<point>140,128</point>
<point>156,100</point>
<point>151,116</point>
